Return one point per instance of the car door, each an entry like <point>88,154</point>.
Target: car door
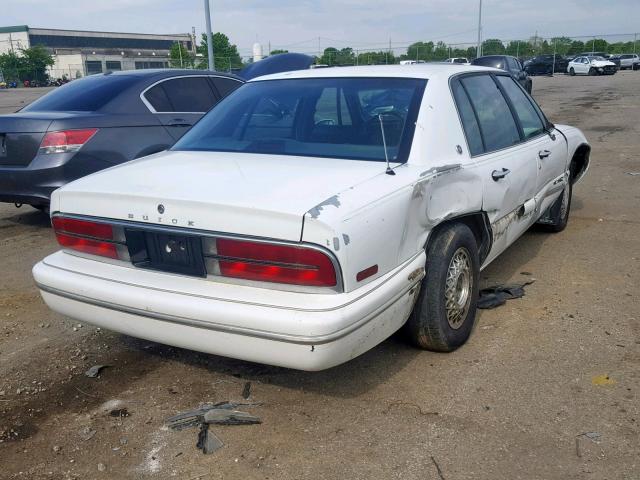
<point>547,146</point>
<point>582,65</point>
<point>179,102</point>
<point>504,161</point>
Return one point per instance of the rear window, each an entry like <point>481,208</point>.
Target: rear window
<point>85,95</point>
<point>316,117</point>
<point>495,62</point>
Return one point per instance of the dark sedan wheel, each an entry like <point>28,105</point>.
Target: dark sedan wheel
<point>445,311</point>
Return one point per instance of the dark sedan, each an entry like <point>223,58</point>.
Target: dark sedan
<point>97,122</point>
<point>546,65</point>
<point>508,63</point>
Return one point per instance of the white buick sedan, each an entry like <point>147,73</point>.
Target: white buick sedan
<point>312,214</point>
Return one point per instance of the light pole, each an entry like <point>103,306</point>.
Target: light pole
<point>479,48</point>
<point>207,15</point>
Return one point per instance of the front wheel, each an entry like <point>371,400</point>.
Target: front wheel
<point>572,72</point>
<point>445,311</point>
<point>592,71</point>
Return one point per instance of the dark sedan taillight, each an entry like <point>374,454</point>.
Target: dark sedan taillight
<point>66,140</point>
<point>87,236</point>
<point>271,262</point>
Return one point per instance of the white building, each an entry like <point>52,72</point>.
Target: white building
<point>77,53</point>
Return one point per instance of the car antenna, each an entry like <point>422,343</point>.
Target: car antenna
<point>384,143</point>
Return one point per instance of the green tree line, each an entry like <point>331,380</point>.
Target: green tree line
<point>26,64</point>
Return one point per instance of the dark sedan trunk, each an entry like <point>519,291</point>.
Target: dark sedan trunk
<point>20,137</point>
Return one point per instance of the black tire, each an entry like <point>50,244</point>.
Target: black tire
<point>592,71</point>
<point>42,208</point>
<point>559,211</point>
<point>572,72</point>
<point>429,326</point>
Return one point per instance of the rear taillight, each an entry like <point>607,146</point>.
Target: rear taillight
<point>88,237</point>
<point>267,262</point>
<point>66,141</point>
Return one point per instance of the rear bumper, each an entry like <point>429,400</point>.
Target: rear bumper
<point>34,183</point>
<point>295,330</point>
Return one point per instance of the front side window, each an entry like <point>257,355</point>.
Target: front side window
<point>498,127</point>
<point>314,117</point>
<point>529,119</point>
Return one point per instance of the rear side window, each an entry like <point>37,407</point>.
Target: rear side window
<point>84,95</point>
<point>498,127</point>
<point>185,94</point>
<point>225,85</point>
<point>529,119</point>
<point>468,118</point>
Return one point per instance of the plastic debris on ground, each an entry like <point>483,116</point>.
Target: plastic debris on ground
<point>223,413</point>
<point>492,297</point>
<point>94,371</point>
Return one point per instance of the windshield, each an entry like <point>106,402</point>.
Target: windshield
<point>84,95</point>
<point>595,57</point>
<point>314,117</point>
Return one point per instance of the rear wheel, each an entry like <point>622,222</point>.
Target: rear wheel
<point>445,311</point>
<point>42,208</point>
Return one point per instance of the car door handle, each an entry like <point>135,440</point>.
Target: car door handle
<point>498,174</point>
<point>544,153</point>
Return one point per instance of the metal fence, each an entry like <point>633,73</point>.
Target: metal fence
<point>334,52</point>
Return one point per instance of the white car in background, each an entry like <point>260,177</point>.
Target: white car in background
<point>591,65</point>
<point>311,214</point>
<point>629,60</point>
<point>459,60</point>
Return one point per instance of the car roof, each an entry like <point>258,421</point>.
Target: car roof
<point>419,70</point>
<point>158,73</point>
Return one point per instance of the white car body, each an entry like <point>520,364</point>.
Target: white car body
<point>458,60</point>
<point>596,65</point>
<point>349,209</point>
<point>629,60</point>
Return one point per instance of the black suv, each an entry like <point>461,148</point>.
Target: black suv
<point>509,64</point>
<point>544,65</point>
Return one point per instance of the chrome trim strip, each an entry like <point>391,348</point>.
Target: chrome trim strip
<point>339,287</point>
<point>153,110</point>
<point>191,322</point>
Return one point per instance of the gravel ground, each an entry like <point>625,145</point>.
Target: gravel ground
<point>547,388</point>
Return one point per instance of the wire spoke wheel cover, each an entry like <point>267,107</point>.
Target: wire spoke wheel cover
<point>458,288</point>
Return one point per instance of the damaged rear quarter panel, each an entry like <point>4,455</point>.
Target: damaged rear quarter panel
<point>387,219</point>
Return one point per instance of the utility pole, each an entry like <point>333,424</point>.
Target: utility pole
<point>319,48</point>
<point>635,40</point>
<point>479,48</point>
<point>553,68</point>
<point>207,14</point>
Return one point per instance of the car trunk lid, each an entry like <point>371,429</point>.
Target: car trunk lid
<point>245,194</point>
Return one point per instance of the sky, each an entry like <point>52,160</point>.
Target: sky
<point>307,25</point>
